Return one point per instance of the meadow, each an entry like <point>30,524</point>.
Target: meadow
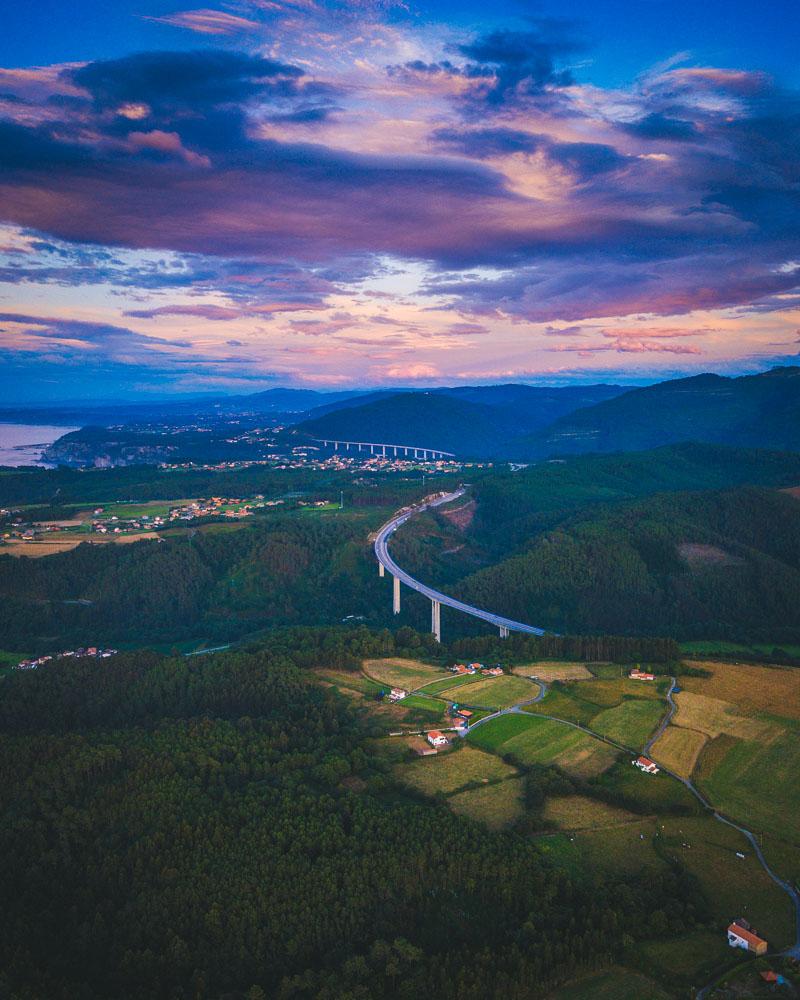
<point>453,771</point>
<point>493,692</point>
<point>630,723</point>
<point>679,749</point>
<point>544,741</point>
<point>400,672</point>
<point>496,805</point>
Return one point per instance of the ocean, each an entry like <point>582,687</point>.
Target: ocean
<point>22,444</point>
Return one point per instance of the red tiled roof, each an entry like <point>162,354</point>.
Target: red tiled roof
<point>752,939</point>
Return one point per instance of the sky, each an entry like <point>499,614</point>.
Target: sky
<point>328,194</point>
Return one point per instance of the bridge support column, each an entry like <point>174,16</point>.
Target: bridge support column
<point>503,631</point>
<point>436,620</point>
<point>381,569</point>
<point>396,596</point>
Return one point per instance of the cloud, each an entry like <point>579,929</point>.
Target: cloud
<point>207,22</point>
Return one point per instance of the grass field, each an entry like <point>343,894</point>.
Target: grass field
<point>351,681</point>
<point>678,749</point>
<point>492,735</point>
<point>495,805</point>
<point>689,960</point>
<point>451,683</point>
<point>774,690</point>
<point>417,706</point>
<point>547,742</point>
<point>733,886</point>
<point>394,672</point>
<point>651,793</point>
<point>564,703</point>
<point>613,984</point>
<point>553,671</point>
<point>607,693</point>
<point>577,812</point>
<point>755,781</point>
<point>494,692</point>
<point>607,671</point>
<point>713,716</point>
<point>451,772</point>
<point>630,723</point>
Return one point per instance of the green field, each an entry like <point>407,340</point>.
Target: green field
<point>650,793</point>
<point>495,692</point>
<point>630,723</point>
<point>451,682</point>
<point>418,705</point>
<point>352,681</point>
<point>690,960</point>
<point>451,772</point>
<point>564,703</point>
<point>733,886</point>
<point>544,741</point>
<point>496,804</point>
<point>492,735</point>
<point>756,782</point>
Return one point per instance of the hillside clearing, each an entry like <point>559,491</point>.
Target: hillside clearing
<point>398,672</point>
<point>494,692</point>
<point>450,772</point>
<point>554,671</point>
<point>578,812</point>
<point>775,690</point>
<point>495,805</point>
<point>713,716</point>
<point>630,723</point>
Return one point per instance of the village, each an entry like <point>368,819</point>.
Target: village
<point>93,652</point>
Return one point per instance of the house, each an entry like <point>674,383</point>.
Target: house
<point>646,765</point>
<point>437,739</point>
<point>464,713</point>
<point>641,675</point>
<point>741,935</point>
<point>473,668</point>
<point>492,672</point>
<point>397,694</point>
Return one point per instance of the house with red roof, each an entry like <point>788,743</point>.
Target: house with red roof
<point>742,935</point>
<point>646,765</point>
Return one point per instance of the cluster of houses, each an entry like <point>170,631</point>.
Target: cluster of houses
<point>641,675</point>
<point>475,668</point>
<point>93,651</point>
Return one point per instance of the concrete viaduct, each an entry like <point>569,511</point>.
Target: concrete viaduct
<point>437,599</point>
<point>384,450</point>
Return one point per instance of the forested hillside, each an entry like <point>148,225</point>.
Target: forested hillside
<point>724,564</point>
<point>751,411</point>
<point>219,585</point>
<point>221,828</point>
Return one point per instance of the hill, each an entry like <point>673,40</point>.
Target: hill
<point>751,411</point>
<point>467,420</point>
<point>713,563</point>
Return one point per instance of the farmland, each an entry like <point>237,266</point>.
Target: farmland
<point>397,672</point>
<point>496,804</point>
<point>578,812</point>
<point>453,771</point>
<point>554,671</point>
<point>539,741</point>
<point>678,749</point>
<point>773,690</point>
<point>630,723</point>
<point>493,692</point>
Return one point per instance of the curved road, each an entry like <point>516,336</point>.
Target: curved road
<point>791,892</point>
<point>383,557</point>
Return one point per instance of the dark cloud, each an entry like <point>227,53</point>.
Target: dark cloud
<point>482,142</point>
<point>525,62</point>
<point>659,126</point>
<point>171,80</point>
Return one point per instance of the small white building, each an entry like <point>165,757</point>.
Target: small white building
<point>436,739</point>
<point>397,694</point>
<point>646,765</point>
<point>741,935</point>
<point>641,675</point>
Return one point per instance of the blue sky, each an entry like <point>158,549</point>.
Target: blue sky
<point>309,192</point>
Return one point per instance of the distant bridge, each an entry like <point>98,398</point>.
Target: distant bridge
<point>383,449</point>
<point>437,599</point>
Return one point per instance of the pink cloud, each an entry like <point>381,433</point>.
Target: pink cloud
<point>168,143</point>
<point>207,22</point>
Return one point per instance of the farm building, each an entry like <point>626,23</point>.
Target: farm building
<point>741,935</point>
<point>641,675</point>
<point>437,739</point>
<point>397,694</point>
<point>646,765</point>
<point>492,672</point>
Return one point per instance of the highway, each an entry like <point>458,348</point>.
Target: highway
<point>385,559</point>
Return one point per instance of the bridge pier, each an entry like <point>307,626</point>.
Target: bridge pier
<point>396,596</point>
<point>436,620</point>
<point>503,631</point>
<point>381,569</point>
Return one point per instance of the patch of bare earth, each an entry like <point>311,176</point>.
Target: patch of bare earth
<point>461,517</point>
<point>696,554</point>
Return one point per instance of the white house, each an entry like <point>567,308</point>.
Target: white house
<point>397,694</point>
<point>646,765</point>
<point>740,935</point>
<point>437,739</point>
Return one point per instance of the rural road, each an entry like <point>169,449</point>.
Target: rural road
<point>793,950</point>
<point>385,559</point>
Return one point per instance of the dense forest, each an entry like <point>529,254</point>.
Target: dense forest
<point>221,827</point>
<point>718,563</point>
